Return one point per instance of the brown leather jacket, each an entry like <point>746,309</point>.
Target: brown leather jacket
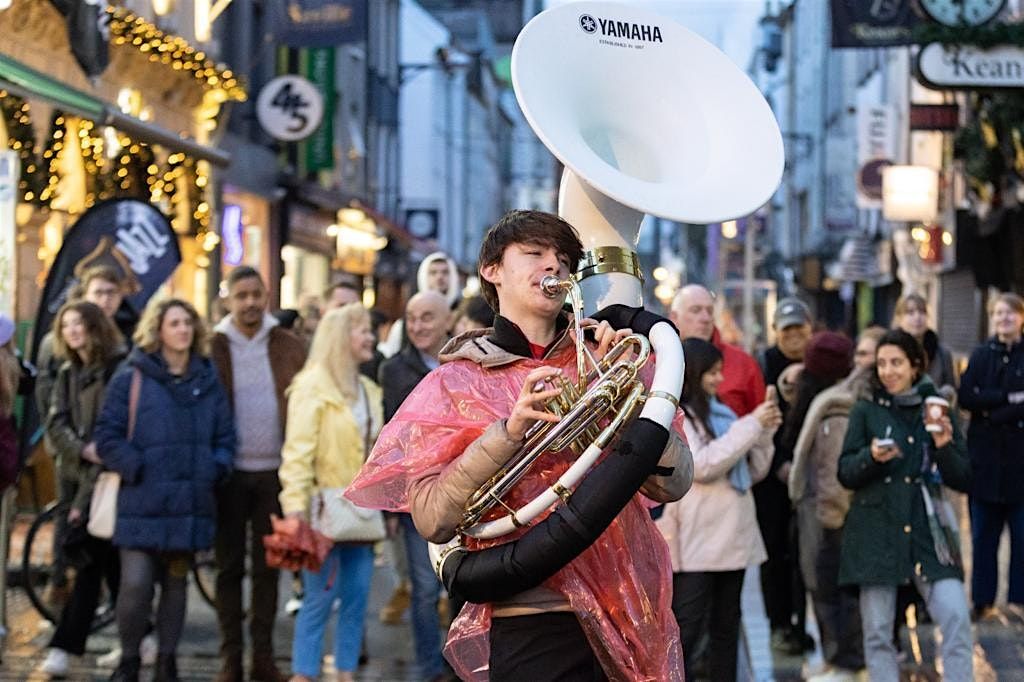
<point>287,356</point>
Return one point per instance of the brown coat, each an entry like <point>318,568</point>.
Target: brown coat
<point>287,356</point>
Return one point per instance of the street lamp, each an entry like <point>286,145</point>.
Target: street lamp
<point>910,194</point>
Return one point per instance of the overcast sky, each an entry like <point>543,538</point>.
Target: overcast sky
<point>729,24</point>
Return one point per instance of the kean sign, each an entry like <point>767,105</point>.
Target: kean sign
<point>965,67</point>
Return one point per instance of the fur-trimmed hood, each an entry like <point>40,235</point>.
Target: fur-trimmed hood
<point>453,276</point>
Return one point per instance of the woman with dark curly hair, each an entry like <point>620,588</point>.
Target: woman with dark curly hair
<point>166,428</point>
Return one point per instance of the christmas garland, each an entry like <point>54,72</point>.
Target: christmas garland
<point>985,36</point>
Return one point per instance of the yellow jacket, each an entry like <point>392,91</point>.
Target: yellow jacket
<point>323,445</point>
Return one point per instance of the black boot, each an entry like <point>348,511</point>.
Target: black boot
<point>166,668</point>
<point>127,670</point>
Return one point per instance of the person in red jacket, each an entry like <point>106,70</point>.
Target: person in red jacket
<point>693,312</point>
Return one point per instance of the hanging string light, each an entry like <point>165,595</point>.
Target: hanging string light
<point>128,29</point>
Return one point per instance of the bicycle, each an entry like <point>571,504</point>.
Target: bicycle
<point>37,571</point>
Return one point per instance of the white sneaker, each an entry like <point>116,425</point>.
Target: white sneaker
<point>147,650</point>
<point>292,606</point>
<point>111,659</point>
<point>56,663</point>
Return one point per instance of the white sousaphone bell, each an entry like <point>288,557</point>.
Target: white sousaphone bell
<point>647,117</point>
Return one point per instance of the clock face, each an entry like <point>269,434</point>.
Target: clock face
<point>960,12</point>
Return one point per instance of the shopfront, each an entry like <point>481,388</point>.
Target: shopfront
<point>142,129</point>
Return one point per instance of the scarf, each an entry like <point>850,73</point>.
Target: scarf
<point>721,418</point>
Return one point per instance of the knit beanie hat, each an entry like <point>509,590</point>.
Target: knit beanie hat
<point>829,356</point>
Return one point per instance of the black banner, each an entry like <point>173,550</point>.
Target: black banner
<point>127,234</point>
<point>319,23</point>
<point>878,23</point>
<point>88,33</point>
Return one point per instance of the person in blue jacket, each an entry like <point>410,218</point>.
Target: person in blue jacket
<point>171,448</point>
<point>992,389</point>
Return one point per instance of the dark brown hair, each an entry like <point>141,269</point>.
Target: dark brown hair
<point>103,340</point>
<point>910,346</point>
<point>106,273</point>
<point>526,227</point>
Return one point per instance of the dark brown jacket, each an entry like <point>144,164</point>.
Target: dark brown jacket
<point>287,355</point>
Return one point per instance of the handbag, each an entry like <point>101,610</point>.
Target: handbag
<point>103,505</point>
<point>338,518</point>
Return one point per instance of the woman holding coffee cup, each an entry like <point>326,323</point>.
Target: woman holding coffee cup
<point>993,391</point>
<point>899,528</point>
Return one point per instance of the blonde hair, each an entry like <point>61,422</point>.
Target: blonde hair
<point>330,349</point>
<point>1010,299</point>
<point>874,332</point>
<point>10,375</point>
<point>906,304</point>
<point>147,334</point>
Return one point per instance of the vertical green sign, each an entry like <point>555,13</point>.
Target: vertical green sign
<point>318,149</point>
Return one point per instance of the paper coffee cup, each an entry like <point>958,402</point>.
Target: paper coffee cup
<point>935,408</point>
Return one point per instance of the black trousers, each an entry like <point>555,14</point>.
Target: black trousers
<point>542,647</point>
<point>781,582</point>
<point>244,506</point>
<point>837,608</point>
<point>711,597</point>
<point>77,616</point>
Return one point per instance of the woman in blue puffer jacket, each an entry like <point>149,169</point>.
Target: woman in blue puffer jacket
<point>171,448</point>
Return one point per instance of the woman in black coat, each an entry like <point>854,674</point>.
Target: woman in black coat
<point>992,389</point>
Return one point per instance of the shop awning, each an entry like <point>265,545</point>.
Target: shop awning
<point>26,82</point>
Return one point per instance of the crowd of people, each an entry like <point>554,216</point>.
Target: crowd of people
<point>830,462</point>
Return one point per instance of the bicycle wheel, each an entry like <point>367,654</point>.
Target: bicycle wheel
<point>37,560</point>
<point>37,571</point>
<point>204,570</point>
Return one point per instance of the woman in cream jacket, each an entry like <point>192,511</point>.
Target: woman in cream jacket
<point>712,532</point>
<point>334,416</point>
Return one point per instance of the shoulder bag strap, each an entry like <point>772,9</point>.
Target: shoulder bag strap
<point>133,400</point>
<point>369,421</point>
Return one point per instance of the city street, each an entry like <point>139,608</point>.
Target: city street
<point>998,654</point>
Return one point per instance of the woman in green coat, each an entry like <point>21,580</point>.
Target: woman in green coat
<point>898,528</point>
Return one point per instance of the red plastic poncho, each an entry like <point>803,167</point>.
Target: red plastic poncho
<point>620,588</point>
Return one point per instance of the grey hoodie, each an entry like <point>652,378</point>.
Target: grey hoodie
<point>255,399</point>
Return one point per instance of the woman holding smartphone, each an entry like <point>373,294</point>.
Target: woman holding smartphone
<point>898,528</point>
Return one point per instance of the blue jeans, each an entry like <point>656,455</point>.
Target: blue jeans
<point>426,589</point>
<point>345,575</point>
<point>947,604</point>
<point>987,522</point>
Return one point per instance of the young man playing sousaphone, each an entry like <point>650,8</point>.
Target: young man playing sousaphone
<point>562,610</point>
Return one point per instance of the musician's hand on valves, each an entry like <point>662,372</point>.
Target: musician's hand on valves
<point>529,406</point>
<point>604,335</point>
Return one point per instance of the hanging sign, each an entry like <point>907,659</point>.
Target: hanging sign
<point>965,67</point>
<point>319,23</point>
<point>876,146</point>
<point>879,23</point>
<point>127,234</point>
<point>10,172</point>
<point>290,108</point>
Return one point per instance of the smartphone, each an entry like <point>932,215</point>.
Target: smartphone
<point>885,443</point>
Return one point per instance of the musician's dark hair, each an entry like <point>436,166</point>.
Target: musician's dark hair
<point>526,227</point>
<point>700,356</point>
